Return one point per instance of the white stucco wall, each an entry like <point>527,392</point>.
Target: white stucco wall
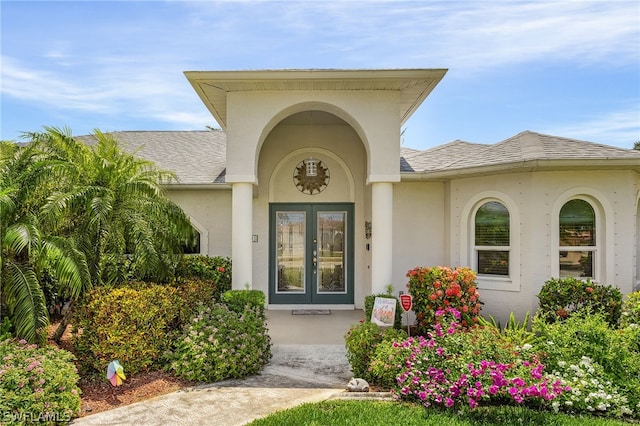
<point>419,228</point>
<point>210,211</point>
<point>429,228</point>
<point>537,198</point>
<point>372,114</point>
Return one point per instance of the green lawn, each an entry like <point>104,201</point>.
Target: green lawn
<point>369,413</point>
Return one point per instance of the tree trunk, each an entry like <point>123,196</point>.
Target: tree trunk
<point>66,319</point>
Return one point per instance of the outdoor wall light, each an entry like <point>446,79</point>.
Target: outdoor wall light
<point>367,229</point>
<point>312,166</point>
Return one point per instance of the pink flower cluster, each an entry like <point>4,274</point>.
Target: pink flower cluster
<point>433,376</point>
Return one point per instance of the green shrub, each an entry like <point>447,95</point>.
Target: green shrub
<point>131,325</point>
<point>361,341</point>
<point>37,384</point>
<point>439,288</point>
<point>561,297</point>
<point>387,362</point>
<point>591,391</point>
<point>219,344</point>
<point>216,269</point>
<point>6,329</point>
<point>190,293</point>
<point>513,331</point>
<point>368,308</point>
<point>236,300</point>
<point>615,351</point>
<point>631,309</point>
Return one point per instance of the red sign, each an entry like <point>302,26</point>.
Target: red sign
<point>406,301</point>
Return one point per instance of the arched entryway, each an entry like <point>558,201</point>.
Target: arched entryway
<point>251,106</point>
<point>314,210</point>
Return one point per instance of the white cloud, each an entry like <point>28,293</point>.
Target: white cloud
<point>619,128</point>
<point>110,90</point>
<point>134,66</point>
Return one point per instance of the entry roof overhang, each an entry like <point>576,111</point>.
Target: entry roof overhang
<point>414,85</point>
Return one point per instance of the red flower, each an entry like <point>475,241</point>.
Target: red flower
<point>588,289</point>
<point>220,269</point>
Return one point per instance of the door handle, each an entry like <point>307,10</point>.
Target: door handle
<point>315,261</point>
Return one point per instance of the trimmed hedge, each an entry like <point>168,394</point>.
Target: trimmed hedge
<point>126,324</point>
<point>562,297</point>
<point>219,343</point>
<point>236,300</point>
<point>361,341</point>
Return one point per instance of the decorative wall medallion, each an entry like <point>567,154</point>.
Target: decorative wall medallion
<point>306,181</point>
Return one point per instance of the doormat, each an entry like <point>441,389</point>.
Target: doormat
<point>311,312</point>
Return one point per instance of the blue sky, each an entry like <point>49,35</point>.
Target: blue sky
<point>566,68</point>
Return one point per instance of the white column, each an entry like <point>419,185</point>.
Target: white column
<point>381,236</point>
<point>241,228</point>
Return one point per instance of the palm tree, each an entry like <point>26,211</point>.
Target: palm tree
<point>26,249</point>
<point>115,210</point>
<point>636,145</point>
<point>81,215</point>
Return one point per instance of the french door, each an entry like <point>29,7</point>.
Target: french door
<point>311,253</point>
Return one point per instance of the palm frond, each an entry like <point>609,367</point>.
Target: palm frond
<point>68,265</point>
<point>26,301</point>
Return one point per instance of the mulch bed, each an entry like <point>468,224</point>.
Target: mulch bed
<point>99,395</point>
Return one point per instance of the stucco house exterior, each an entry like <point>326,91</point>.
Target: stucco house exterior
<point>309,191</point>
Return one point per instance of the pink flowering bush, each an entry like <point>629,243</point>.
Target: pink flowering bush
<point>440,287</point>
<point>437,369</point>
<point>219,343</point>
<point>37,384</point>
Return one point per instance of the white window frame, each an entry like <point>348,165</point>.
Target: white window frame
<point>603,266</point>
<point>468,254</point>
<point>593,249</point>
<point>477,249</point>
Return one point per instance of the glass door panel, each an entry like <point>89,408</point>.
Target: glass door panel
<point>330,252</point>
<point>311,253</point>
<point>290,259</point>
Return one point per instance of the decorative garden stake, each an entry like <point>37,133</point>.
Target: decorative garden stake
<point>406,301</point>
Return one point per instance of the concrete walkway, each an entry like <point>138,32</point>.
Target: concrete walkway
<point>309,364</point>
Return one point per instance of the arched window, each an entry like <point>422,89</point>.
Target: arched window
<point>492,242</point>
<point>194,246</point>
<point>577,239</point>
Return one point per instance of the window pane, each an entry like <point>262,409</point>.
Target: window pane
<point>290,261</point>
<point>331,253</point>
<point>192,247</point>
<point>577,224</point>
<point>493,262</point>
<point>492,225</point>
<point>576,264</point>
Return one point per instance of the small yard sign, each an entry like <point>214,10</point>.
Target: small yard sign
<point>406,301</point>
<point>384,311</point>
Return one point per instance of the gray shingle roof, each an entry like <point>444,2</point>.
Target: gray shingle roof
<point>525,146</point>
<point>198,157</point>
